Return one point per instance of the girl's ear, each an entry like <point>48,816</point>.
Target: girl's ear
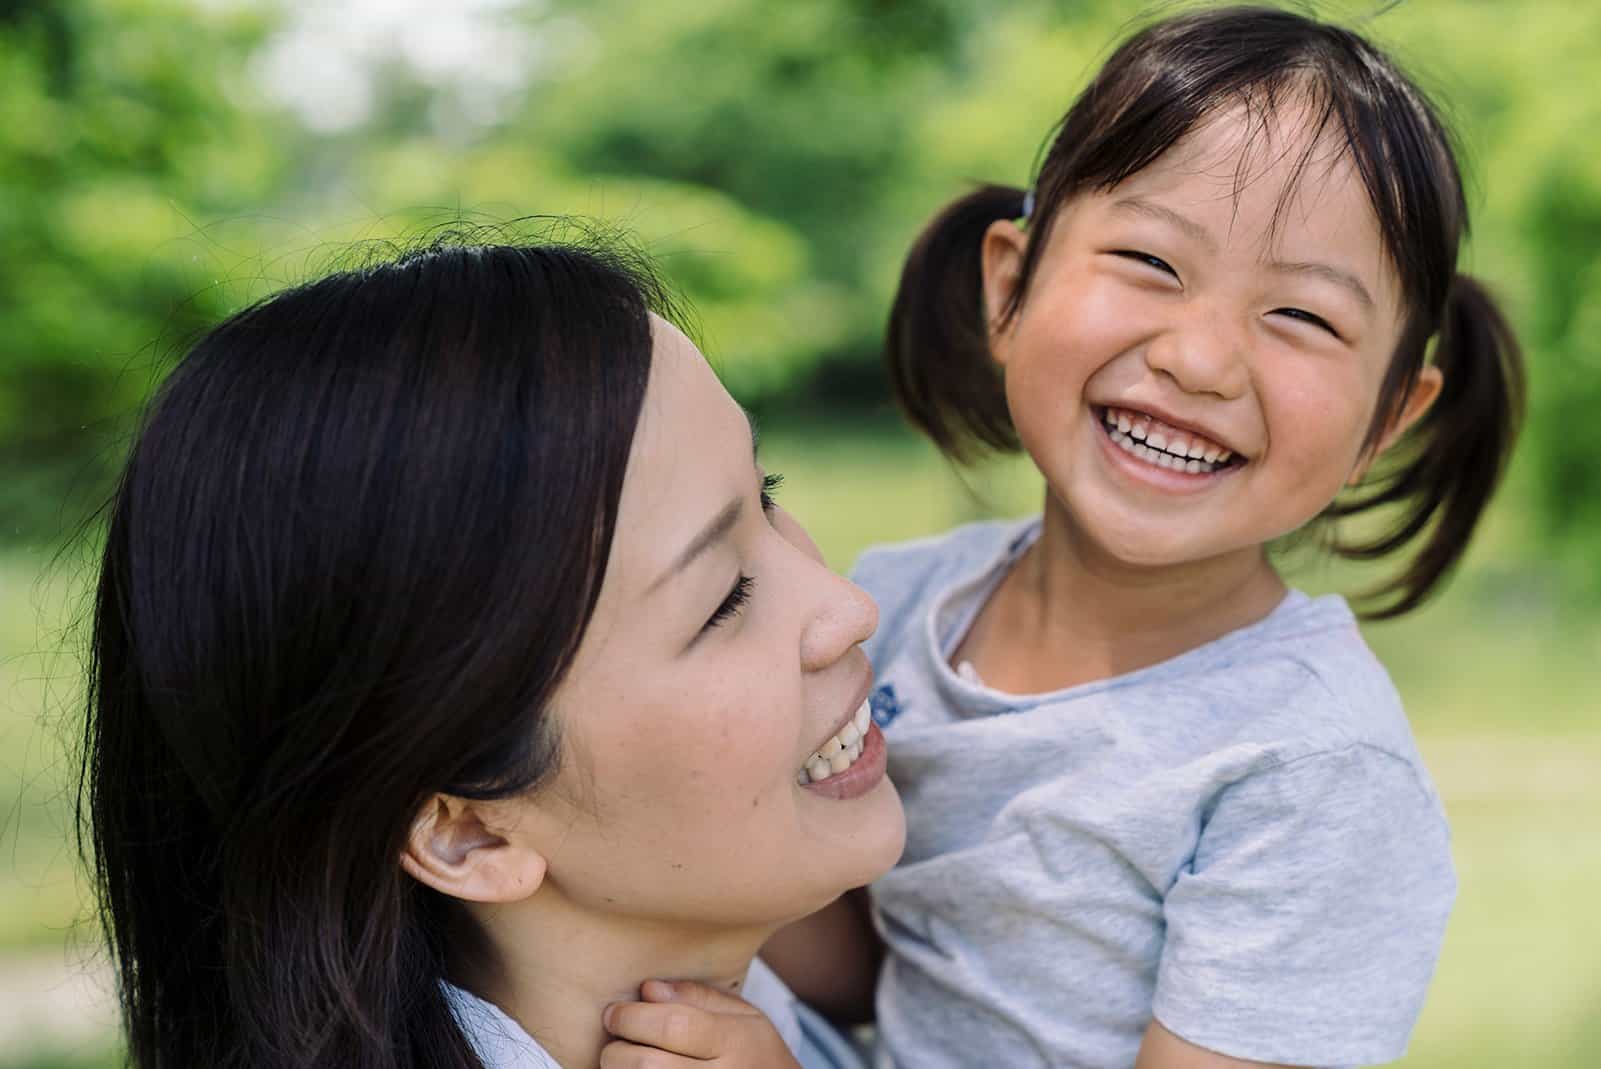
<point>1424,391</point>
<point>454,851</point>
<point>1002,259</point>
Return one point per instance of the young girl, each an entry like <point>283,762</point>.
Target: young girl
<point>1160,807</point>
<point>1163,810</point>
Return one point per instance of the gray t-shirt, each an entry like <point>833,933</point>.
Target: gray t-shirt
<point>1241,840</point>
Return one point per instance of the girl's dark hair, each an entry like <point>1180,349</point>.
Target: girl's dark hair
<point>359,537</point>
<point>1152,91</point>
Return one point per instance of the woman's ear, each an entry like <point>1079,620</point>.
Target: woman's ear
<point>1424,391</point>
<point>1002,254</point>
<point>453,850</point>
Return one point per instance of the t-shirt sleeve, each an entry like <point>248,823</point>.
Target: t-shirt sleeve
<point>1307,928</point>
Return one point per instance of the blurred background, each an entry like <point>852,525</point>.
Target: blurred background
<point>164,161</point>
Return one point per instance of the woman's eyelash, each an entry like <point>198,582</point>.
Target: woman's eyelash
<point>731,605</point>
<point>740,594</point>
<point>1147,259</point>
<point>770,485</point>
<point>1307,317</point>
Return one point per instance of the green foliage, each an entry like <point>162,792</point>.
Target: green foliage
<point>115,126</point>
<point>779,158</point>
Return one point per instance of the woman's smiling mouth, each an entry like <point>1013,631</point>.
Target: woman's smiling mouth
<point>850,763</point>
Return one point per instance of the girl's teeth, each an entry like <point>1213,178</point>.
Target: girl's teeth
<point>1169,449</point>
<point>1157,458</point>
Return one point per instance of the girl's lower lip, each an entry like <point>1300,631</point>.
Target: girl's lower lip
<point>1161,478</point>
<point>862,776</point>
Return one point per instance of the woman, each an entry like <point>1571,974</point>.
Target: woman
<point>453,674</point>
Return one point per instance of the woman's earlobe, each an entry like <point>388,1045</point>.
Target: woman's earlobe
<point>451,849</point>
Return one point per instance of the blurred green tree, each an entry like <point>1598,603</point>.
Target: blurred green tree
<point>116,118</point>
<point>779,159</point>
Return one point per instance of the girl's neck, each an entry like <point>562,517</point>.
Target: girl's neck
<point>1069,613</point>
<point>557,967</point>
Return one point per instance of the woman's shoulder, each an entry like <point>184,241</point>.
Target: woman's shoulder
<point>498,1040</point>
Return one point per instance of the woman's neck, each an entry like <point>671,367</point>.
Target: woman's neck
<point>1070,613</point>
<point>558,966</point>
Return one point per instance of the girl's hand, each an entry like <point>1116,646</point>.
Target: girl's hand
<point>683,1024</point>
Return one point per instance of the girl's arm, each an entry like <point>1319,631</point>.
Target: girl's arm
<point>1161,1049</point>
<point>831,959</point>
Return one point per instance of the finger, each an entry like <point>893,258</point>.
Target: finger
<point>670,1026</point>
<point>620,1054</point>
<point>701,996</point>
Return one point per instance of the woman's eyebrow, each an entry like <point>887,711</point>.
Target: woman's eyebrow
<point>719,526</point>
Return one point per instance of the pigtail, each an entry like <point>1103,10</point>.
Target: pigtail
<point>1449,463</point>
<point>937,345</point>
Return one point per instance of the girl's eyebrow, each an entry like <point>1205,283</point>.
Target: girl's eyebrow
<point>1327,272</point>
<point>1150,209</point>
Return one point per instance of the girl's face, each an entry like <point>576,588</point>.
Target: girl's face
<point>1198,357</point>
<point>722,655</point>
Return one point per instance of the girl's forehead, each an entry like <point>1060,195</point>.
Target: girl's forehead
<point>1278,175</point>
<point>1289,150</point>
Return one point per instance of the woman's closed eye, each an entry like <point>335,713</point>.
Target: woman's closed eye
<point>745,584</point>
<point>736,599</point>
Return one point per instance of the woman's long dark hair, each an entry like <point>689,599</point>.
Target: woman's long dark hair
<point>1152,91</point>
<point>360,534</point>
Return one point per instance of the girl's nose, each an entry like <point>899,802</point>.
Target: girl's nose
<point>1203,357</point>
<point>843,615</point>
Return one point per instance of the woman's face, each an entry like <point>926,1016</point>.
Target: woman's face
<point>722,655</point>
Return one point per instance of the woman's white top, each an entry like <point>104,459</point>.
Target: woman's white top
<point>501,1043</point>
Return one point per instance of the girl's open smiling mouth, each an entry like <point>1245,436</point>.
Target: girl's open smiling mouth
<point>1173,457</point>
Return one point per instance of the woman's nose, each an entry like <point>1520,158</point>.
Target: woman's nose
<point>1203,355</point>
<point>844,615</point>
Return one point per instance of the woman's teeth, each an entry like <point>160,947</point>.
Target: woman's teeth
<point>839,752</point>
<point>1166,447</point>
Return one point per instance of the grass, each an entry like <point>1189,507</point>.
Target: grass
<point>1499,676</point>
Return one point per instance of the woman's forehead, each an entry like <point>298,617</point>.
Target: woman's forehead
<point>691,451</point>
